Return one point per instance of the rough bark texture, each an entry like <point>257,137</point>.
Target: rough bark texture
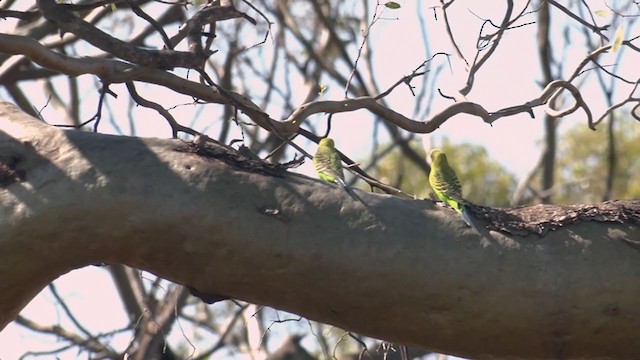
<point>403,270</point>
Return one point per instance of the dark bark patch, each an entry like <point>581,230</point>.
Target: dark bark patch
<point>242,159</point>
<point>9,172</point>
<point>539,219</point>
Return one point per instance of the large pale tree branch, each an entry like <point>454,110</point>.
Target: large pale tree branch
<point>399,269</point>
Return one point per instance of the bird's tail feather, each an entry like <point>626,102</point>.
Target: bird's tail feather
<point>466,216</point>
<point>350,191</point>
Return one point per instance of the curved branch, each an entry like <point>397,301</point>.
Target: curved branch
<point>371,104</point>
<point>557,86</point>
<point>113,71</point>
<point>161,59</point>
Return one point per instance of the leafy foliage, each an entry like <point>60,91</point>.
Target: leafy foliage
<point>583,161</point>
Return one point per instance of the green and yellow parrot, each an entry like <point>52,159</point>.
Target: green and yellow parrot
<point>328,164</point>
<point>445,184</point>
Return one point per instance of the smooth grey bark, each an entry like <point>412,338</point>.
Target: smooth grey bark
<point>403,270</point>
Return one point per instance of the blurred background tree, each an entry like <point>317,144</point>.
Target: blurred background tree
<point>583,164</point>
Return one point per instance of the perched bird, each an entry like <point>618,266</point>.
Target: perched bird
<point>445,184</point>
<point>328,164</point>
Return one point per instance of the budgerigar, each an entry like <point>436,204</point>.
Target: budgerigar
<point>445,184</point>
<point>328,164</point>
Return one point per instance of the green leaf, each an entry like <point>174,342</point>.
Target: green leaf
<point>617,40</point>
<point>603,12</point>
<point>392,5</point>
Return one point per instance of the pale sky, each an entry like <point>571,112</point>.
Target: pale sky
<point>506,80</point>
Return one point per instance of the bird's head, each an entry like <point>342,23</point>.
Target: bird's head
<point>437,155</point>
<point>327,142</point>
